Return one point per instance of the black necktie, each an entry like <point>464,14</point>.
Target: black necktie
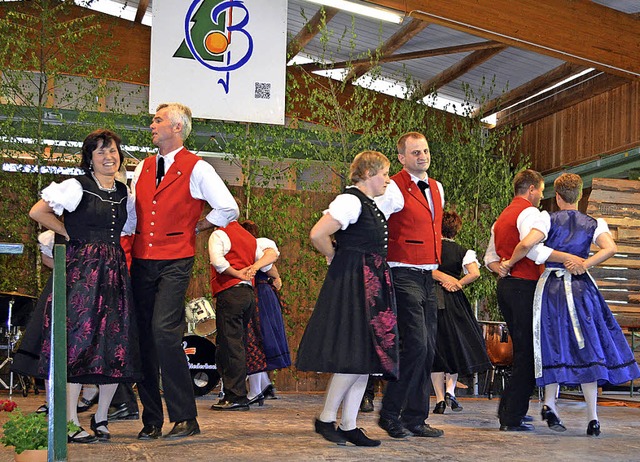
<point>160,171</point>
<point>423,185</point>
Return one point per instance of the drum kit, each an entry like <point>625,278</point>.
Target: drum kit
<point>15,310</point>
<point>500,352</point>
<point>199,347</point>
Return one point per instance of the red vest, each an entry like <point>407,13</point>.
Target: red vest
<point>167,215</point>
<point>507,236</point>
<point>241,255</point>
<point>415,237</point>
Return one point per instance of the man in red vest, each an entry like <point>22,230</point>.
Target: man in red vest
<point>236,255</point>
<point>515,295</point>
<point>170,190</point>
<point>414,202</point>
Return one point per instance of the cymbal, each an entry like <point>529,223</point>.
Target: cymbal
<point>17,294</point>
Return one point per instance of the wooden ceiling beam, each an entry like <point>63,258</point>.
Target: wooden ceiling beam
<point>460,68</point>
<point>310,30</point>
<point>529,89</point>
<point>312,67</point>
<point>574,92</point>
<point>141,11</point>
<point>402,36</point>
<point>578,31</point>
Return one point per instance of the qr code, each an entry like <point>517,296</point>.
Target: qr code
<point>263,90</point>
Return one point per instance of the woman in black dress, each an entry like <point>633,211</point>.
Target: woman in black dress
<point>101,335</point>
<point>460,347</point>
<point>353,329</point>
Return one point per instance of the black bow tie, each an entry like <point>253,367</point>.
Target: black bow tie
<point>423,185</point>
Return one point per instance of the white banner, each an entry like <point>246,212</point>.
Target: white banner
<point>225,59</point>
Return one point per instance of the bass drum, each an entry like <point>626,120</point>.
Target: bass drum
<point>201,356</point>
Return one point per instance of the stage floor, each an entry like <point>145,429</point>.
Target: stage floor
<point>282,430</point>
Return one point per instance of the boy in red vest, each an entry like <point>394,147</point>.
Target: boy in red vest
<point>515,295</point>
<point>414,203</point>
<point>236,256</point>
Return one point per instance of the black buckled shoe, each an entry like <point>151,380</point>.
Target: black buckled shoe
<point>122,411</point>
<point>87,403</point>
<point>552,419</point>
<point>358,437</point>
<point>425,431</point>
<point>328,431</point>
<point>184,428</point>
<point>269,392</point>
<point>224,405</point>
<point>523,427</point>
<point>150,432</point>
<point>76,438</point>
<point>451,401</point>
<point>440,407</point>
<point>100,434</point>
<point>393,427</point>
<point>593,429</point>
<point>257,399</point>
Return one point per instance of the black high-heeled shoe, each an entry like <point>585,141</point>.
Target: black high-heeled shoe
<point>269,392</point>
<point>440,407</point>
<point>593,429</point>
<point>451,401</point>
<point>102,436</point>
<point>257,399</point>
<point>552,419</point>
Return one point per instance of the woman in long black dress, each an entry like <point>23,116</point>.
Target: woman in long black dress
<point>460,347</point>
<point>353,329</point>
<point>102,338</point>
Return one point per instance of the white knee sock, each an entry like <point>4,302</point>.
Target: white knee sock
<point>89,392</point>
<point>337,389</point>
<point>550,395</point>
<point>351,403</point>
<point>254,385</point>
<point>104,401</point>
<point>73,393</point>
<point>437,382</point>
<point>264,380</point>
<point>452,379</point>
<point>590,392</point>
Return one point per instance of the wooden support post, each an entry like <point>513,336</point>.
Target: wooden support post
<point>58,365</point>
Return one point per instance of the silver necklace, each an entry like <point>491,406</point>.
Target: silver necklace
<point>102,188</point>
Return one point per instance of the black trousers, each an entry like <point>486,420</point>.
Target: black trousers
<point>159,288</point>
<point>125,395</point>
<point>234,308</point>
<point>408,398</point>
<point>515,300</point>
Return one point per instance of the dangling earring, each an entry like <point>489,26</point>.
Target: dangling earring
<point>91,165</point>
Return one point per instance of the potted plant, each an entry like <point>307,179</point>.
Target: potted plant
<point>28,434</point>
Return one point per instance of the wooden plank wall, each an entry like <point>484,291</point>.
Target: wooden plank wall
<point>607,123</point>
<point>618,202</point>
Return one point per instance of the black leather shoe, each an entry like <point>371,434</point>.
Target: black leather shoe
<point>184,428</point>
<point>328,431</point>
<point>75,438</point>
<point>593,429</point>
<point>44,409</point>
<point>440,407</point>
<point>366,405</point>
<point>122,411</point>
<point>425,431</point>
<point>552,419</point>
<point>527,418</point>
<point>150,432</point>
<point>452,402</point>
<point>101,435</point>
<point>257,399</point>
<point>523,427</point>
<point>87,404</point>
<point>394,428</point>
<point>358,437</point>
<point>224,405</point>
